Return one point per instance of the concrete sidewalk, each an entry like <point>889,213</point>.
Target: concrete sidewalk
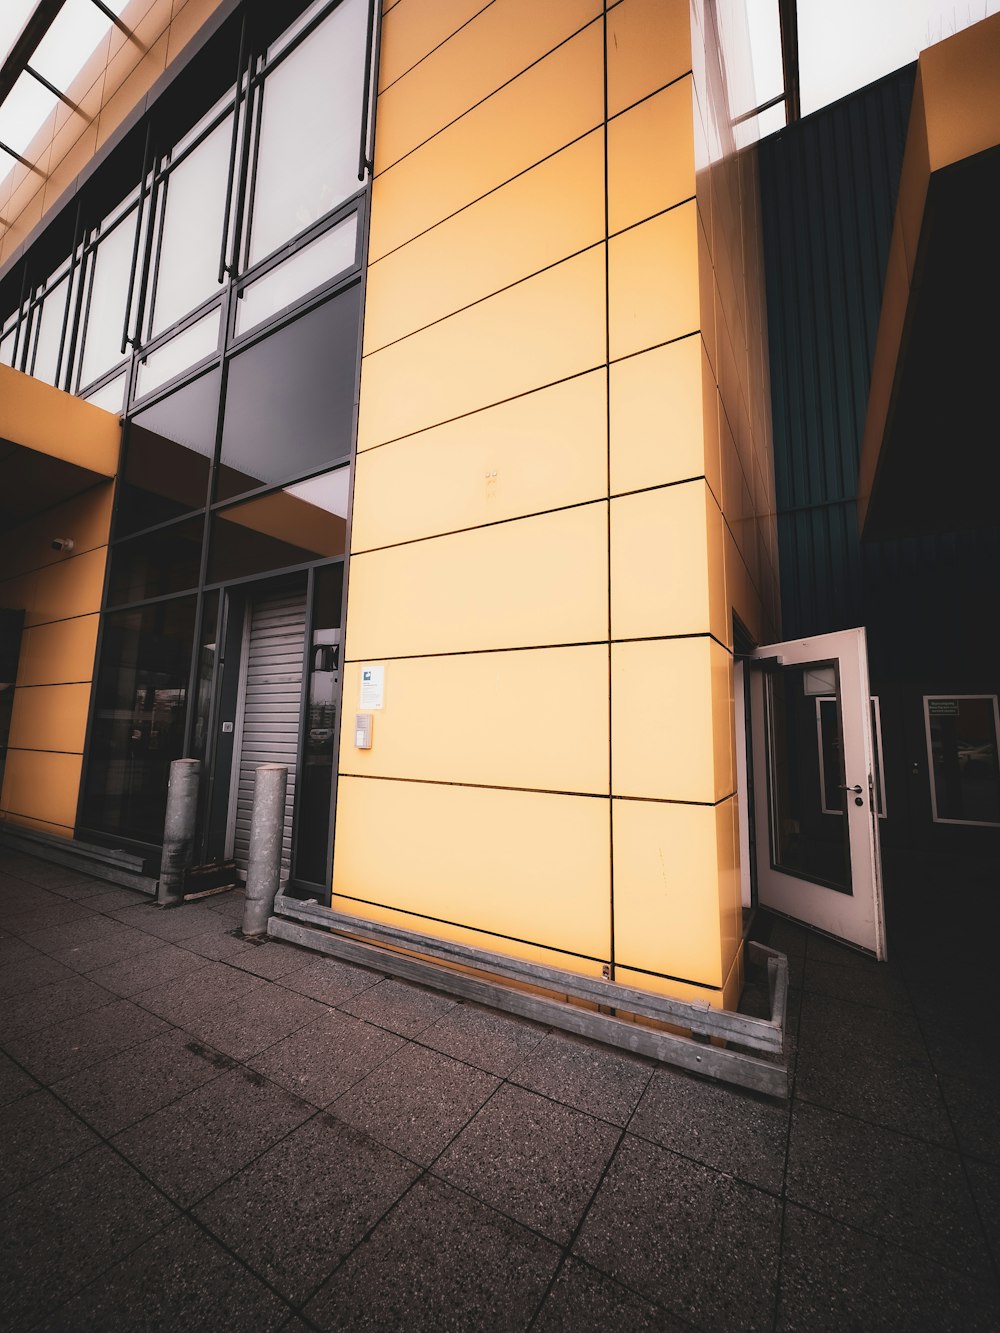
<point>200,1133</point>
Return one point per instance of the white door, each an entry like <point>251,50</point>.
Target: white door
<point>819,865</point>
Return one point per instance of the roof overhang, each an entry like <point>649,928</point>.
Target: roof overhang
<point>930,457</point>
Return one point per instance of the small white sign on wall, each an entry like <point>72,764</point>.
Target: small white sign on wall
<point>372,687</point>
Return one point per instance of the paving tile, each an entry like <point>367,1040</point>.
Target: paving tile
<point>52,1004</point>
<point>62,1048</point>
<point>602,1082</point>
<point>13,949</point>
<point>40,917</point>
<point>179,1280</point>
<point>194,1144</point>
<point>14,1081</point>
<point>330,981</point>
<point>727,1128</point>
<point>585,1301</point>
<point>323,1060</point>
<point>399,1006</point>
<point>272,959</point>
<point>53,939</point>
<point>294,1213</point>
<point>862,983</point>
<point>82,889</point>
<point>485,1038</point>
<point>64,1229</point>
<point>38,1134</point>
<point>163,963</point>
<point>111,899</point>
<point>975,1112</point>
<point>960,1041</point>
<point>439,1261</point>
<point>834,1278</point>
<point>30,972</point>
<point>127,1087</point>
<point>171,923</point>
<point>893,1186</point>
<point>257,1021</point>
<point>231,904</point>
<point>985,1183</point>
<point>533,1159</point>
<point>869,1063</point>
<point>660,1224</point>
<point>204,992</point>
<point>112,947</point>
<point>416,1101</point>
<point>222,945</point>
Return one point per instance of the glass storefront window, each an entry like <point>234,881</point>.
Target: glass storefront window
<point>185,349</point>
<point>310,130</point>
<point>164,561</point>
<point>284,528</point>
<point>332,253</point>
<point>140,712</point>
<point>290,399</point>
<point>208,658</point>
<point>168,456</point>
<point>962,747</point>
<point>110,266</point>
<point>191,230</point>
<point>315,777</point>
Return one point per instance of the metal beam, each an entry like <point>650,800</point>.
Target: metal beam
<point>788,17</point>
<point>45,14</point>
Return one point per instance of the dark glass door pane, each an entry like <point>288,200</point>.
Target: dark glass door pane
<point>805,841</point>
<point>963,745</point>
<point>293,526</point>
<point>156,564</point>
<point>316,774</point>
<point>290,399</point>
<point>139,716</point>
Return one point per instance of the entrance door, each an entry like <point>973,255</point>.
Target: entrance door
<point>815,787</point>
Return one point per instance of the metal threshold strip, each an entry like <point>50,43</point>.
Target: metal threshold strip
<point>494,979</point>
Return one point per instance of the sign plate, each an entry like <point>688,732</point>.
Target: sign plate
<point>372,687</point>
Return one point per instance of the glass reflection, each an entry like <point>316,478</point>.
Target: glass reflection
<point>287,527</point>
<point>315,786</point>
<point>139,716</point>
<point>163,561</point>
<point>962,735</point>
<point>305,166</point>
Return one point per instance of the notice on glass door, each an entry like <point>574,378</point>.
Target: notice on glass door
<point>372,688</point>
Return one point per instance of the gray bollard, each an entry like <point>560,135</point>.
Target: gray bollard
<point>178,830</point>
<point>267,826</point>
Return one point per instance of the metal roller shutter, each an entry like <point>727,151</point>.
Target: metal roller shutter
<point>272,699</point>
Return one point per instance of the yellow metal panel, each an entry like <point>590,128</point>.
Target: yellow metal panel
<point>85,520</point>
<point>415,29</point>
<point>720,619</point>
<point>25,821</point>
<point>72,588</point>
<point>50,717</point>
<point>670,737</point>
<point>651,156</point>
<point>536,718</point>
<point>42,786</point>
<point>733,988</point>
<point>626,976</point>
<point>653,281</point>
<point>528,865</point>
<point>60,652</point>
<point>657,417</point>
<point>487,53</point>
<point>649,46</point>
<point>535,582</point>
<point>544,329</point>
<point>659,563</point>
<point>542,110</point>
<point>730,893</point>
<point>540,217</point>
<point>40,417</point>
<point>542,451</point>
<point>667,890</point>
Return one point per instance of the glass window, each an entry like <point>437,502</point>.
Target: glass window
<point>110,396</point>
<point>185,349</point>
<point>168,456</point>
<point>288,527</point>
<point>165,561</point>
<point>50,316</point>
<point>315,777</point>
<point>191,233</point>
<point>110,267</point>
<point>140,708</point>
<point>332,253</point>
<point>7,348</point>
<point>962,734</point>
<point>310,130</point>
<point>290,399</point>
<point>831,761</point>
<point>208,657</point>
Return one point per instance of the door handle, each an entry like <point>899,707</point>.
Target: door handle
<point>856,790</point>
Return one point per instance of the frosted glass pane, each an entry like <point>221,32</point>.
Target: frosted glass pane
<point>307,160</point>
<point>306,270</point>
<point>192,229</point>
<point>50,316</point>
<point>111,396</point>
<point>109,293</point>
<point>188,348</point>
<point>7,350</point>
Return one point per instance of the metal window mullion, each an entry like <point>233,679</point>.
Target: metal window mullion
<point>126,339</point>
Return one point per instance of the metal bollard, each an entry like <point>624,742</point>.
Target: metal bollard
<point>178,830</point>
<point>267,825</point>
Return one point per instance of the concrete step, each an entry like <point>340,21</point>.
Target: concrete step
<point>109,863</point>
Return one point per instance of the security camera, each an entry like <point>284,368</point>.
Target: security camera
<point>62,543</point>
